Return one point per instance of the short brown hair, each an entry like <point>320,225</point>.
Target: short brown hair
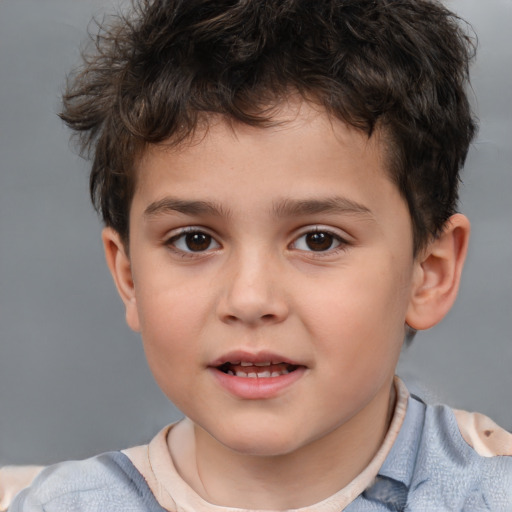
<point>397,65</point>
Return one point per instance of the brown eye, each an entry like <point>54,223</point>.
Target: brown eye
<point>197,242</point>
<point>193,241</point>
<point>319,241</point>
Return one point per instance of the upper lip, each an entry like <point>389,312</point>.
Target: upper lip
<point>237,356</point>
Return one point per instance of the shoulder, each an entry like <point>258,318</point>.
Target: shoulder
<point>483,435</point>
<point>466,458</point>
<point>474,434</point>
<point>106,483</point>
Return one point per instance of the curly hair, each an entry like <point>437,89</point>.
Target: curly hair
<point>157,72</point>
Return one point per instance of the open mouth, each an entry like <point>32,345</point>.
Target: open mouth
<point>262,370</point>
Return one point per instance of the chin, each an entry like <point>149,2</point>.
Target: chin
<point>259,443</point>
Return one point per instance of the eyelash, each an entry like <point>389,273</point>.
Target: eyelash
<point>171,242</point>
<point>334,238</point>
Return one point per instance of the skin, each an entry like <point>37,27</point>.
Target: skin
<point>259,285</point>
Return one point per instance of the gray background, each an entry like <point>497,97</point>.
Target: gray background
<point>73,380</point>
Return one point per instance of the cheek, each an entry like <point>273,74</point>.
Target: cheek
<point>171,304</point>
<point>171,323</point>
<point>360,315</point>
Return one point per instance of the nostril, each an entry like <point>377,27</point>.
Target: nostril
<point>230,318</point>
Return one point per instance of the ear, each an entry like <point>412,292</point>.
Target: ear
<point>120,267</point>
<point>437,274</point>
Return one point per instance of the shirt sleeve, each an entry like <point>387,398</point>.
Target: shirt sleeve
<point>483,435</point>
<point>13,479</point>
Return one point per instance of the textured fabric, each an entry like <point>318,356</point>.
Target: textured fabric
<point>437,470</point>
<point>107,483</point>
<point>13,479</point>
<point>429,468</point>
<point>480,432</point>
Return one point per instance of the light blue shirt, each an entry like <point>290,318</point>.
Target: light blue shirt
<point>430,468</point>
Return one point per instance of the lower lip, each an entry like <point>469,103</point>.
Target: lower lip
<point>257,388</point>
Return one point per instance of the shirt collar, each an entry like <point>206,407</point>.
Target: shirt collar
<point>401,460</point>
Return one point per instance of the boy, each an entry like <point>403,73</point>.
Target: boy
<point>278,182</point>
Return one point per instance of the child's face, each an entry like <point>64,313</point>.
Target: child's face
<point>286,246</point>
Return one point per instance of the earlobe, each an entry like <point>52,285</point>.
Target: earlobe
<point>119,264</point>
<point>437,274</point>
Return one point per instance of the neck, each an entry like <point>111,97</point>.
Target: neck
<point>224,477</point>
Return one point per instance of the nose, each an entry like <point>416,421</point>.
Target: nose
<point>254,293</point>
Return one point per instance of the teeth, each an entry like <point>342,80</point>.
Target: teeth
<point>261,375</point>
<point>278,374</point>
<point>262,370</point>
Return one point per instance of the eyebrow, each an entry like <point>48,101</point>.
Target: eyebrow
<point>170,205</point>
<point>283,208</point>
<point>334,205</point>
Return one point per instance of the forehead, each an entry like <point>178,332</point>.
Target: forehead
<point>305,129</point>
